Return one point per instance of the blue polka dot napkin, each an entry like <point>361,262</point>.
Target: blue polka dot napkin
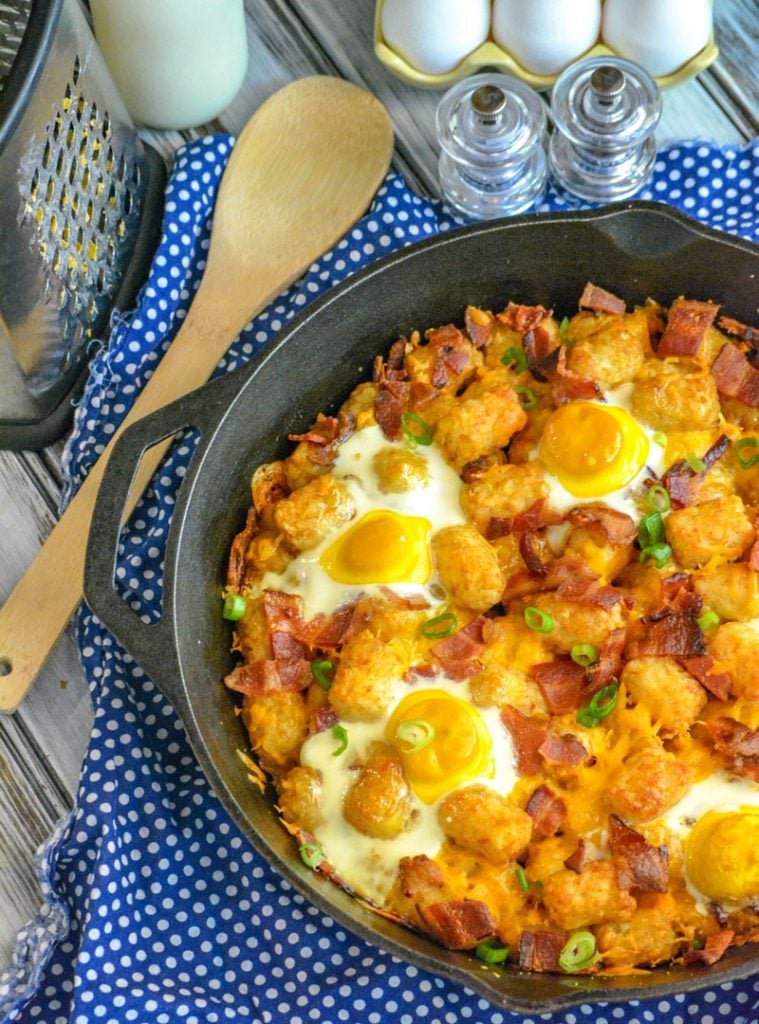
<point>156,909</point>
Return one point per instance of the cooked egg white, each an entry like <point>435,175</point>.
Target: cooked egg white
<point>598,451</point>
<point>470,745</point>
<point>387,543</point>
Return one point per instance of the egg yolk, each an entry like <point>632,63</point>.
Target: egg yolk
<point>722,854</point>
<point>382,547</point>
<point>593,449</point>
<point>460,747</point>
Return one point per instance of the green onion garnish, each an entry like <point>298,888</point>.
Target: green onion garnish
<point>416,734</point>
<point>698,943</point>
<point>660,553</point>
<point>658,498</point>
<point>601,704</point>
<point>341,735</point>
<point>524,884</point>
<point>311,854</point>
<point>651,530</point>
<point>234,607</point>
<point>440,627</point>
<point>747,461</point>
<point>578,953</point>
<point>696,464</point>
<point>515,357</point>
<point>414,437</point>
<point>527,398</point>
<point>538,620</point>
<point>319,670</point>
<point>492,952</point>
<point>584,654</point>
<point>708,621</point>
<point>564,328</point>
<point>660,438</point>
<point>585,718</point>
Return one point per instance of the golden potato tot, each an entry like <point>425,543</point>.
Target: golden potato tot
<point>399,470</point>
<point>502,492</point>
<point>673,697</point>
<point>468,567</point>
<point>478,426</point>
<point>299,795</point>
<point>674,396</point>
<point>648,784</point>
<point>479,819</point>
<point>378,802</point>
<point>277,725</point>
<point>590,898</point>
<point>731,590</point>
<point>366,676</point>
<point>718,529</point>
<point>311,513</point>
<point>735,645</point>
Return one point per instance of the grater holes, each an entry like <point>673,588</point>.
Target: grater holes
<point>76,72</point>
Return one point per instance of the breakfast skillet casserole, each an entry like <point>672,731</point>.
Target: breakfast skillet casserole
<point>499,630</point>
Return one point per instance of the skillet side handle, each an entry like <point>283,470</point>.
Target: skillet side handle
<point>151,644</point>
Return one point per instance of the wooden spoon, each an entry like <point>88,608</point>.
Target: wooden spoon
<point>304,169</point>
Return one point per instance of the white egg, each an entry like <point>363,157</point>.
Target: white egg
<point>717,792</point>
<point>544,36</point>
<point>660,35</point>
<point>435,35</point>
<point>370,865</point>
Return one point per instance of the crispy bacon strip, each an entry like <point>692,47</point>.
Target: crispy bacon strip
<point>539,950</point>
<point>639,864</point>
<point>530,556</point>
<point>610,661</point>
<point>522,318</point>
<point>269,675</point>
<point>719,684</point>
<point>738,743</point>
<point>561,682</point>
<point>714,949</point>
<point>389,405</point>
<point>479,325</point>
<point>564,750</point>
<point>417,875</point>
<point>735,376</point>
<point>675,635</point>
<point>562,571</point>
<point>547,810</point>
<point>536,517</point>
<point>618,526</point>
<point>471,470</point>
<point>321,719</point>
<point>682,481</point>
<point>236,566</point>
<point>452,353</point>
<point>542,353</point>
<point>601,301</point>
<point>325,436</point>
<point>458,924</point>
<point>590,591</point>
<point>458,653</point>
<point>528,734</point>
<point>678,593</point>
<point>411,602</point>
<point>739,330</point>
<point>576,860</point>
<point>568,386</point>
<point>687,324</point>
<point>330,631</point>
<point>285,645</point>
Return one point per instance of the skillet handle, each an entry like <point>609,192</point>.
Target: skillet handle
<point>152,645</point>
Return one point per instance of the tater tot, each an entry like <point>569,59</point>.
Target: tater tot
<point>647,938</point>
<point>480,820</point>
<point>468,567</point>
<point>398,470</point>
<point>674,396</point>
<point>299,795</point>
<point>577,623</point>
<point>648,783</point>
<point>503,492</point>
<point>731,590</point>
<point>277,725</point>
<point>718,529</point>
<point>674,698</point>
<point>493,687</point>
<point>735,645</point>
<point>609,349</point>
<point>480,425</point>
<point>590,898</point>
<point>378,802</point>
<point>365,678</point>
<point>311,513</point>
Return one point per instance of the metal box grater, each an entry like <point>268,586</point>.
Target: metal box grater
<point>80,210</point>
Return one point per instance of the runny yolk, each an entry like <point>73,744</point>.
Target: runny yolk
<point>382,547</point>
<point>722,854</point>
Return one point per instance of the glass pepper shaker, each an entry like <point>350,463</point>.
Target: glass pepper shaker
<point>605,112</point>
<point>491,129</point>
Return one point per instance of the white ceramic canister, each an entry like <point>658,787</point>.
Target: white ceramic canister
<point>660,35</point>
<point>435,35</point>
<point>176,63</point>
<point>544,36</point>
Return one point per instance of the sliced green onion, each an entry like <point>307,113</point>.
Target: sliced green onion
<point>319,670</point>
<point>660,437</point>
<point>747,461</point>
<point>584,717</point>
<point>341,735</point>
<point>538,886</point>
<point>578,953</point>
<point>234,607</point>
<point>584,654</point>
<point>698,943</point>
<point>651,530</point>
<point>708,621</point>
<point>440,627</point>
<point>659,553</point>
<point>492,952</point>
<point>416,734</point>
<point>658,498</point>
<point>311,854</point>
<point>564,328</point>
<point>515,357</point>
<point>696,464</point>
<point>524,884</point>
<point>538,620</point>
<point>527,398</point>
<point>423,436</point>
<point>601,704</point>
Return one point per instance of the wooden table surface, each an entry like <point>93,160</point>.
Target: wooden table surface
<point>42,745</point>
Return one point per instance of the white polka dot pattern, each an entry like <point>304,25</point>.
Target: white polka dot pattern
<point>158,911</point>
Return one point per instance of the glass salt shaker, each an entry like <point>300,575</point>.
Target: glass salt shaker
<point>491,129</point>
<point>605,112</point>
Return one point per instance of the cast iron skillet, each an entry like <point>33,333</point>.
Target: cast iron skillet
<point>635,249</point>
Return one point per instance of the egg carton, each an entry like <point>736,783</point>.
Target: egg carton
<point>492,56</point>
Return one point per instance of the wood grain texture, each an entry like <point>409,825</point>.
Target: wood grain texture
<point>42,745</point>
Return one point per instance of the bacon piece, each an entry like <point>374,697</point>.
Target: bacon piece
<point>269,485</point>
<point>285,645</point>
<point>236,568</point>
<point>411,602</point>
<point>564,750</point>
<point>536,517</point>
<point>458,924</point>
<point>530,556</point>
<point>590,591</point>
<point>284,612</point>
<point>687,324</point>
<point>396,356</point>
<point>269,675</point>
<point>677,635</point>
<point>458,653</point>
<point>735,376</point>
<point>739,330</point>
<point>738,743</point>
<point>601,301</point>
<point>331,630</point>
<point>568,386</point>
<point>678,593</point>
<point>714,949</point>
<point>562,684</point>
<point>540,950</point>
<point>321,719</point>
<point>639,864</point>
<point>471,470</point>
<point>420,672</point>
<point>618,526</point>
<point>389,405</point>
<point>561,571</point>
<point>452,353</point>
<point>522,318</point>
<point>499,526</point>
<point>479,325</point>
<point>547,810</point>
<point>542,352</point>
<point>576,860</point>
<point>753,554</point>
<point>682,481</point>
<point>528,735</point>
<point>719,684</point>
<point>325,436</point>
<point>417,875</point>
<point>610,660</point>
